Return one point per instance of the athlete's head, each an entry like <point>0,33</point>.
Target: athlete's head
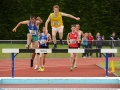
<point>32,18</point>
<point>56,9</point>
<point>77,26</point>
<point>113,34</point>
<point>73,28</point>
<point>86,34</point>
<point>98,34</point>
<point>89,34</point>
<point>44,30</point>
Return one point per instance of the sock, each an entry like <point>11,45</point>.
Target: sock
<point>55,45</point>
<point>31,63</point>
<point>78,44</point>
<point>60,40</point>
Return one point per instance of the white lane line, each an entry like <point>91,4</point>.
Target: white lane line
<point>14,69</point>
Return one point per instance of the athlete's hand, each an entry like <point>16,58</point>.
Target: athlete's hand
<point>81,43</point>
<point>14,30</point>
<point>45,42</point>
<point>78,18</point>
<point>68,43</point>
<point>38,18</point>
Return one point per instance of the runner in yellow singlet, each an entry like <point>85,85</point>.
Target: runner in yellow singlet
<point>57,24</point>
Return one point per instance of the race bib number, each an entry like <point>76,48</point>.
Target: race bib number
<point>55,23</point>
<point>33,32</point>
<point>42,41</point>
<point>72,41</point>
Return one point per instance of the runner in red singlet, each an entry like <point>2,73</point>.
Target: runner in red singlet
<point>72,40</point>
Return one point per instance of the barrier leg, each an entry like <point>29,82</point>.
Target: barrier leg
<point>106,64</point>
<point>13,65</point>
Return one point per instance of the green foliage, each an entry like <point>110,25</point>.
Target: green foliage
<point>96,15</point>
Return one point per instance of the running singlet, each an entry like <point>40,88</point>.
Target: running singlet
<point>42,39</point>
<point>33,29</point>
<point>56,21</point>
<point>73,39</point>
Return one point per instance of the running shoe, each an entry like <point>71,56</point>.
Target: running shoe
<point>35,67</point>
<point>75,66</point>
<point>40,69</point>
<point>55,46</point>
<point>27,46</point>
<point>61,42</point>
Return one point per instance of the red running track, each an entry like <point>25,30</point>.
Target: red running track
<point>56,68</point>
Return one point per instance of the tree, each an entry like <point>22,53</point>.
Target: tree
<point>96,15</point>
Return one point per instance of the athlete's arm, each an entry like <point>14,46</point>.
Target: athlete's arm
<point>82,33</point>
<point>46,23</point>
<point>20,23</point>
<point>78,38</point>
<point>39,20</point>
<point>38,34</point>
<point>49,38</point>
<point>82,41</point>
<point>68,39</point>
<point>39,38</point>
<point>69,15</point>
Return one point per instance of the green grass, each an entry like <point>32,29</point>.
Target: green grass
<point>28,55</point>
<point>118,73</point>
<point>116,65</point>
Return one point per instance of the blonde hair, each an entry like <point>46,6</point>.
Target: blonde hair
<point>56,6</point>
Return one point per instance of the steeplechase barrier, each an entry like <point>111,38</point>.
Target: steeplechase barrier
<point>13,51</point>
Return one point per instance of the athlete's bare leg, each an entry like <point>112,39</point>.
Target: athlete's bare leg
<point>44,57</point>
<point>71,61</point>
<point>40,60</point>
<point>75,60</point>
<point>60,31</point>
<point>29,38</point>
<point>31,63</point>
<point>54,32</point>
<point>36,61</point>
<point>41,67</point>
<point>34,46</point>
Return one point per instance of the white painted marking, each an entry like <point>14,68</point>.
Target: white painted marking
<point>14,69</point>
<point>61,78</point>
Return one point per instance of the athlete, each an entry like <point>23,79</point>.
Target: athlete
<point>57,24</point>
<point>80,35</point>
<point>32,36</point>
<point>72,40</point>
<point>49,41</point>
<point>44,39</point>
<point>33,54</point>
